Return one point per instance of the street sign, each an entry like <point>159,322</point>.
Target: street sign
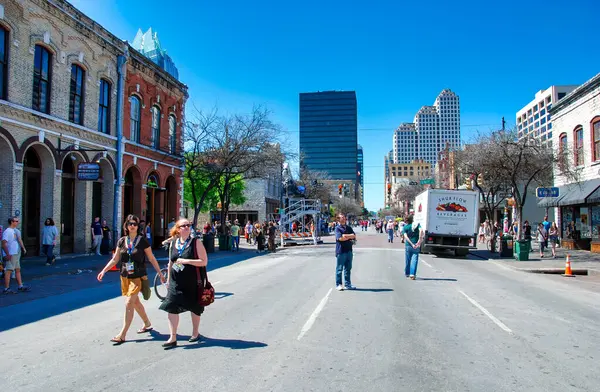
<point>427,181</point>
<point>88,172</point>
<point>547,192</point>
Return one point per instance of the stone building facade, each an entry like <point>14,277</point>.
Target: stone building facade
<point>153,145</point>
<point>59,73</point>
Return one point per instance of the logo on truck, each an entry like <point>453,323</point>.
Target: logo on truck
<point>451,207</point>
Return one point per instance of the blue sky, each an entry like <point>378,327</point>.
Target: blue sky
<point>396,56</point>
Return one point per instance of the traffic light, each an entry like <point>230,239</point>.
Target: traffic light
<point>389,189</point>
<point>340,187</point>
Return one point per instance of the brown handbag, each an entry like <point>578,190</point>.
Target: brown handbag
<point>206,291</point>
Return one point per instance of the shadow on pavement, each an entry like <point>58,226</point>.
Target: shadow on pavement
<point>374,290</point>
<point>222,295</point>
<point>48,302</point>
<point>440,279</point>
<point>233,344</point>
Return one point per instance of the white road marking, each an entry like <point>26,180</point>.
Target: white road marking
<point>313,317</point>
<point>487,313</point>
<point>383,249</point>
<point>426,263</point>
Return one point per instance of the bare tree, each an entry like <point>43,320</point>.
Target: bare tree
<point>223,150</point>
<point>314,183</point>
<point>519,165</point>
<point>478,164</point>
<point>347,206</point>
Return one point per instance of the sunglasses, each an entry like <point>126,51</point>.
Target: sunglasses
<point>132,224</point>
<point>186,226</point>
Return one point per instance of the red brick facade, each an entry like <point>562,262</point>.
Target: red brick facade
<point>152,177</point>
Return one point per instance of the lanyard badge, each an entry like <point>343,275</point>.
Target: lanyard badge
<point>181,247</point>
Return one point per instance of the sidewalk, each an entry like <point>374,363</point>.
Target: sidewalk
<point>580,260</point>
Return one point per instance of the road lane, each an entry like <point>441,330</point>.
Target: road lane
<point>392,334</point>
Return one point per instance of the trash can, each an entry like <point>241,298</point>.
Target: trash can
<point>208,240</point>
<point>224,242</point>
<point>522,248</point>
<point>506,246</point>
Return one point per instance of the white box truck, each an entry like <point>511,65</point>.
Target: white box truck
<point>450,219</point>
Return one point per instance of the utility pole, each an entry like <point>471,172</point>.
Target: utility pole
<point>503,124</point>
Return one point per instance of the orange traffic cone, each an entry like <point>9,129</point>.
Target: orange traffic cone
<point>568,271</point>
<point>114,267</point>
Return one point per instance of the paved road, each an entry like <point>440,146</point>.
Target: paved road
<point>465,325</point>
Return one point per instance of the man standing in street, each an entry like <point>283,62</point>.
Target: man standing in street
<point>235,236</point>
<point>344,237</point>
<point>547,226</point>
<point>10,253</point>
<point>97,235</point>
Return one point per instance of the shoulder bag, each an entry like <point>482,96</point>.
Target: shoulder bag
<point>206,292</point>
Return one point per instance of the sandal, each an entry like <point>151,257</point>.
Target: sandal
<point>117,341</point>
<point>145,329</point>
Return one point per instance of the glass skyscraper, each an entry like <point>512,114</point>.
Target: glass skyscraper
<point>329,134</point>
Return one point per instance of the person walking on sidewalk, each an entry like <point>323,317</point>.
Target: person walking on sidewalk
<point>542,238</point>
<point>249,233</point>
<point>413,236</point>
<point>96,235</point>
<point>186,254</point>
<point>390,231</point>
<point>49,236</point>
<point>344,237</point>
<point>553,237</point>
<point>11,256</point>
<point>132,250</point>
<point>235,236</point>
<point>272,232</point>
<point>106,238</point>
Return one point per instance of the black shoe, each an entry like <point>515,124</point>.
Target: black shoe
<point>196,339</point>
<point>168,346</point>
<point>24,289</point>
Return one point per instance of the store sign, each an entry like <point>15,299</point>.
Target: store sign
<point>88,172</point>
<point>547,192</point>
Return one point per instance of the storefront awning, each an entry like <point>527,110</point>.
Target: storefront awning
<point>578,193</point>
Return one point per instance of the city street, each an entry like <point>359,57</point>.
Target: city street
<point>278,324</point>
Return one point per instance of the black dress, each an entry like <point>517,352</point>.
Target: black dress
<point>182,295</point>
<point>105,246</point>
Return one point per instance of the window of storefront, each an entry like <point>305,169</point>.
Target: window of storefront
<point>595,222</point>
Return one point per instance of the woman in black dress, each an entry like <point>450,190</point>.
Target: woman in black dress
<point>132,251</point>
<point>185,254</point>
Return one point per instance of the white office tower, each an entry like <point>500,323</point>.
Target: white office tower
<point>434,127</point>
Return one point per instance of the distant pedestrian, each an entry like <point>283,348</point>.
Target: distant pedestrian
<point>413,236</point>
<point>235,236</point>
<point>148,231</point>
<point>272,232</point>
<point>390,231</point>
<point>344,238</point>
<point>542,238</point>
<point>401,229</point>
<point>106,238</point>
<point>187,258</point>
<point>49,237</point>
<point>132,251</point>
<point>481,234</point>
<point>553,238</point>
<point>248,233</point>
<point>96,235</point>
<point>170,226</point>
<point>12,256</point>
<point>260,238</point>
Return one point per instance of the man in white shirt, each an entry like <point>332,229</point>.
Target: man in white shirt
<point>11,256</point>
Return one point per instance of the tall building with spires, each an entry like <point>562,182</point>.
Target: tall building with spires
<point>433,127</point>
<point>148,44</point>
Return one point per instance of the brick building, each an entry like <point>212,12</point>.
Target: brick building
<point>58,108</point>
<point>152,159</point>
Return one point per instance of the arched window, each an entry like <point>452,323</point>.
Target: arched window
<point>3,63</point>
<point>76,95</point>
<point>42,74</point>
<point>578,146</point>
<point>134,117</point>
<point>563,147</point>
<point>155,127</point>
<point>104,107</point>
<point>595,129</point>
<point>172,135</point>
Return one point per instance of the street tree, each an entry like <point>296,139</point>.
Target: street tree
<point>478,164</point>
<point>522,164</point>
<point>347,206</point>
<point>225,150</point>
